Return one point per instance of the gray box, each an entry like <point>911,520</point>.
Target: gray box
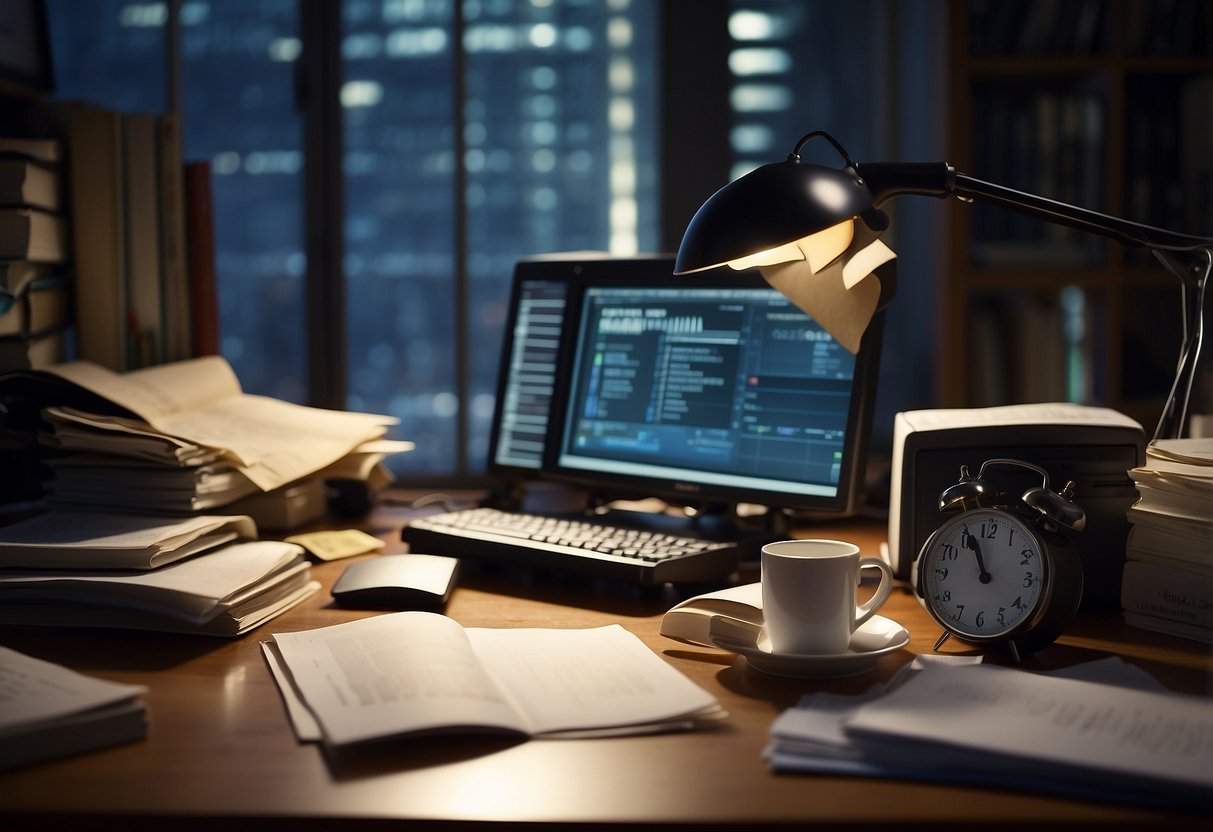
<point>1093,446</point>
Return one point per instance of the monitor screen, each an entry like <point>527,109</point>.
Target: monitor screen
<point>527,374</point>
<point>710,388</point>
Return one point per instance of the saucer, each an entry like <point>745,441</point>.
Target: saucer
<point>873,639</point>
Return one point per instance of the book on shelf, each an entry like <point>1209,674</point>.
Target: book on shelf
<point>47,150</point>
<point>174,246</point>
<point>222,592</point>
<point>145,308</point>
<point>35,350</point>
<point>32,234</point>
<point>412,673</point>
<point>16,275</point>
<point>30,183</point>
<point>200,224</point>
<point>43,305</point>
<point>110,540</point>
<point>52,711</point>
<point>97,196</point>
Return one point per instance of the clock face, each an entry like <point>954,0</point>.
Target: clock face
<point>981,573</point>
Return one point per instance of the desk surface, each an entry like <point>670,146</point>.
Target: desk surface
<point>220,749</point>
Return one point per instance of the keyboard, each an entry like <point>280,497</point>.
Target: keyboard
<point>646,549</point>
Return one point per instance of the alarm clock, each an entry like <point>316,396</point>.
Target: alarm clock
<point>1002,573</point>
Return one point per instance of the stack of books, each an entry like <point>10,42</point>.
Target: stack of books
<point>183,438</point>
<point>35,297</point>
<point>1168,576</point>
<point>199,575</point>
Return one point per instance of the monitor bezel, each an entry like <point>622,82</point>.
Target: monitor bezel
<point>568,268</point>
<point>851,492</point>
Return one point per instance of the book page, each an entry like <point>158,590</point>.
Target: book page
<point>1018,717</point>
<point>156,391</point>
<point>578,680</point>
<point>275,442</point>
<point>394,674</point>
<point>200,400</point>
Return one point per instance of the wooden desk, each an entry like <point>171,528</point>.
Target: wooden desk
<point>220,751</point>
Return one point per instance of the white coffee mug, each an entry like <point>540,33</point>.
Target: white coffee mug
<point>809,594</point>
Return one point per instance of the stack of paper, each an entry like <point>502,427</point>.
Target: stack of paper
<point>92,540</point>
<point>1168,575</point>
<point>105,570</point>
<point>184,437</point>
<point>49,711</point>
<point>1101,731</point>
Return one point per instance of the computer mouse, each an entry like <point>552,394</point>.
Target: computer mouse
<point>397,582</point>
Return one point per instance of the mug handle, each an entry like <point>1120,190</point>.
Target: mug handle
<point>867,609</point>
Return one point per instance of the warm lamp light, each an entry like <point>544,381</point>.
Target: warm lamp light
<point>789,211</point>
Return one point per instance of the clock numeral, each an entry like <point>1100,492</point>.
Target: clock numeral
<point>946,595</point>
<point>960,611</point>
<point>1018,602</point>
<point>1011,536</point>
<point>949,552</point>
<point>981,619</point>
<point>1026,554</point>
<point>989,530</point>
<point>941,573</point>
<point>1028,579</point>
<point>1001,618</point>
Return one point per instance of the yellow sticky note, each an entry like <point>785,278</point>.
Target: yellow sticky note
<point>337,543</point>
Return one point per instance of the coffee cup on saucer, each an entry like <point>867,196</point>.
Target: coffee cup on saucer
<point>810,591</point>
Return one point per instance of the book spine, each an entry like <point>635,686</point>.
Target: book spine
<point>98,249</point>
<point>200,232</point>
<point>176,294</point>
<point>1166,592</point>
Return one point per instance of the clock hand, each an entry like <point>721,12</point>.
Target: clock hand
<point>970,542</point>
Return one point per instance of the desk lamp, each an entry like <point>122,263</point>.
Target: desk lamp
<point>797,215</point>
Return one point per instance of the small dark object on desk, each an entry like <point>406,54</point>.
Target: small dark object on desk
<point>397,582</point>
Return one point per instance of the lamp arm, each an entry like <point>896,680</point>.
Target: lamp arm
<point>886,180</point>
<point>1188,257</point>
<point>1124,231</point>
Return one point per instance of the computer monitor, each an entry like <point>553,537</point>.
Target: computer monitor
<point>708,389</point>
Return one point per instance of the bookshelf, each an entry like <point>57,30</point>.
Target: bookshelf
<point>1106,104</point>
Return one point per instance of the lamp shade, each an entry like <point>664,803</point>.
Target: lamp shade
<point>769,207</point>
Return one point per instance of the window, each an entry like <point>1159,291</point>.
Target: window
<point>473,132</point>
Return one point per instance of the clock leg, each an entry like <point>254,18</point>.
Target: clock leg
<point>942,639</point>
<point>1014,652</point>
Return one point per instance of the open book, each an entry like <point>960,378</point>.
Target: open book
<point>419,672</point>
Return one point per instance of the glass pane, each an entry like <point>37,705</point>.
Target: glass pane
<point>559,136</point>
<point>398,100</point>
<point>123,37</point>
<point>239,113</point>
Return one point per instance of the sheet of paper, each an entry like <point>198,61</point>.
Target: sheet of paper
<point>200,400</point>
<point>843,296</point>
<point>1018,716</point>
<point>32,690</point>
<point>192,586</point>
<point>335,544</point>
